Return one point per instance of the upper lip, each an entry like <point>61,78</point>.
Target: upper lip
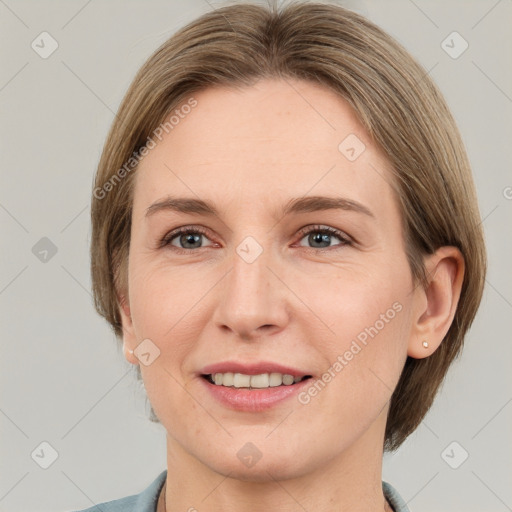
<point>254,368</point>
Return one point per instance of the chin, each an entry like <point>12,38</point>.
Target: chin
<point>263,471</point>
<point>264,466</point>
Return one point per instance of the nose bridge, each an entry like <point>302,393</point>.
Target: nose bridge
<point>252,300</point>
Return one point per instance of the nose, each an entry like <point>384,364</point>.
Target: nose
<point>252,300</point>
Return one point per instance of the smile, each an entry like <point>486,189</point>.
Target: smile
<point>260,381</point>
<point>239,392</point>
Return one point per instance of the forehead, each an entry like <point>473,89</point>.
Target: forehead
<point>288,138</point>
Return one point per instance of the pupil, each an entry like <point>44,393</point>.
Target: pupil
<point>190,238</point>
<point>319,237</point>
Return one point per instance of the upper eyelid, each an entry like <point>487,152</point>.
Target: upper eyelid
<point>319,227</point>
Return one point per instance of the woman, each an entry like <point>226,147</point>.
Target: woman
<point>286,238</point>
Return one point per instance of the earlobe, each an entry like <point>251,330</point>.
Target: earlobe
<point>437,302</point>
<point>128,353</point>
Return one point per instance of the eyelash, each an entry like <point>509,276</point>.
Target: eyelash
<point>168,238</point>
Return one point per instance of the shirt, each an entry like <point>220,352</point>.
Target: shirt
<point>147,500</point>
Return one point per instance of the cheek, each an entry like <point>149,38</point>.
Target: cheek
<point>356,303</point>
<point>164,304</point>
<point>365,348</point>
<point>162,295</point>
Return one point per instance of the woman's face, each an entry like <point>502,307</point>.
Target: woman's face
<point>261,288</point>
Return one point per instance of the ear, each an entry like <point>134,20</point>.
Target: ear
<point>129,338</point>
<point>435,305</point>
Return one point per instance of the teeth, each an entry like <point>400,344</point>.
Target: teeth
<point>263,380</point>
<point>227,379</point>
<point>240,380</point>
<point>288,379</point>
<point>275,379</point>
<point>259,381</point>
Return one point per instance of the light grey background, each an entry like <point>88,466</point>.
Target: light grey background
<point>63,378</point>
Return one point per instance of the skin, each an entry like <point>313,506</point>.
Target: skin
<point>300,303</point>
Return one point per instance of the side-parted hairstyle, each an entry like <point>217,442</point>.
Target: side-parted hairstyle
<point>401,108</point>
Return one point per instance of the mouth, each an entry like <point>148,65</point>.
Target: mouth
<point>254,392</point>
<point>252,386</point>
<point>260,381</point>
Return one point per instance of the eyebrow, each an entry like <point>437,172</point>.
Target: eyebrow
<point>293,206</point>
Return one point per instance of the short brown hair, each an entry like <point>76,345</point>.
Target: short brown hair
<point>396,101</point>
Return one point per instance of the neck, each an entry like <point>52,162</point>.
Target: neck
<point>349,481</point>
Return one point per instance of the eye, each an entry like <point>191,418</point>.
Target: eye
<point>186,239</point>
<point>189,239</point>
<point>322,235</point>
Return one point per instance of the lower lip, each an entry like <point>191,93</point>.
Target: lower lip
<point>253,400</point>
